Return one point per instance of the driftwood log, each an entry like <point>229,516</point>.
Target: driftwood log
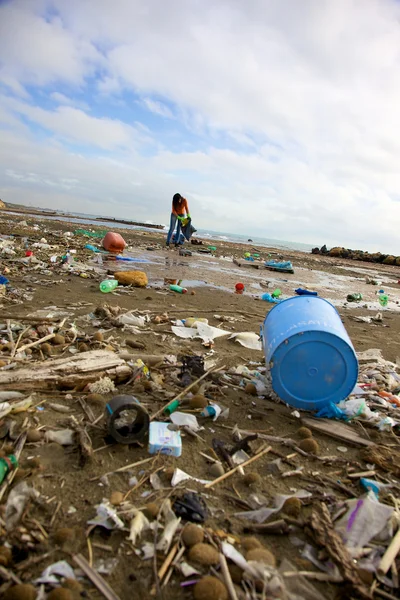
<point>67,372</point>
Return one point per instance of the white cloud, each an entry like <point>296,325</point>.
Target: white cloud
<point>157,107</point>
<point>310,90</point>
<point>75,125</point>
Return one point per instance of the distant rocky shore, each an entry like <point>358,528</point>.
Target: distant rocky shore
<point>376,257</point>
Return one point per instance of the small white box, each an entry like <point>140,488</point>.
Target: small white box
<point>164,440</point>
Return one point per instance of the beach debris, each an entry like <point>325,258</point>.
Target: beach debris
<point>113,242</point>
<point>134,278</point>
<point>248,339</point>
<point>16,503</point>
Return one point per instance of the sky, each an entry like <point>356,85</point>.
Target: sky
<point>274,118</point>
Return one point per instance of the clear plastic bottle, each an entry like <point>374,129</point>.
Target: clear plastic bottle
<point>108,285</point>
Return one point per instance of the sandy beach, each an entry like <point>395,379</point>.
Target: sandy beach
<point>70,487</point>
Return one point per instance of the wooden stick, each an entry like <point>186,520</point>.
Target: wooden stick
<point>126,468</point>
<point>232,471</point>
<point>32,319</point>
<point>186,390</point>
<point>37,343</point>
<point>18,341</point>
<point>390,554</point>
<point>227,577</point>
<point>95,578</point>
<point>10,336</point>
<point>171,555</point>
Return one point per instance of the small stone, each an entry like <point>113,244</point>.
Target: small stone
<point>58,340</point>
<point>304,433</point>
<point>83,347</point>
<point>198,401</point>
<point>60,594</point>
<point>309,445</point>
<point>5,556</point>
<point>73,585</point>
<point>96,399</point>
<point>116,498</point>
<point>192,535</point>
<point>151,510</point>
<point>46,349</point>
<point>252,479</point>
<point>210,588</point>
<point>250,543</point>
<point>64,535</point>
<point>251,389</point>
<point>132,343</point>
<point>169,473</point>
<point>261,555</point>
<point>292,507</point>
<point>3,363</point>
<point>192,293</point>
<point>216,470</point>
<point>204,554</point>
<point>33,435</point>
<point>22,591</point>
<point>98,336</point>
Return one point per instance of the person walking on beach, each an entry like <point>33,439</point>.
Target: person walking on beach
<point>180,212</point>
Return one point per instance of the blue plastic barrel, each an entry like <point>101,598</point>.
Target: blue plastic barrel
<point>309,353</point>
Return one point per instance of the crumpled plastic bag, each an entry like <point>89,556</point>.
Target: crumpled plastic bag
<point>262,514</point>
<point>365,519</point>
<point>248,339</point>
<point>17,500</point>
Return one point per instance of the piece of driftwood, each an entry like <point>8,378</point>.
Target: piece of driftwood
<point>255,264</point>
<point>336,430</point>
<point>322,530</point>
<point>84,367</point>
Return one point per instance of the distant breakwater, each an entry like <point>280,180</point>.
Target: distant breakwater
<point>375,257</point>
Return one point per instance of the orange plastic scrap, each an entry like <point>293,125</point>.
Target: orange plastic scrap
<point>390,397</point>
<point>114,242</point>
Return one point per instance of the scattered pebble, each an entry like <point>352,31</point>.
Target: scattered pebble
<point>304,433</point>
<point>60,594</point>
<point>210,588</point>
<point>309,445</point>
<point>22,591</point>
<point>342,449</point>
<point>192,535</point>
<point>251,389</point>
<point>216,470</point>
<point>292,507</point>
<point>5,556</point>
<point>116,498</point>
<point>46,349</point>
<point>151,510</point>
<point>261,555</point>
<point>204,554</point>
<point>252,479</point>
<point>198,401</point>
<point>249,543</point>
<point>33,435</point>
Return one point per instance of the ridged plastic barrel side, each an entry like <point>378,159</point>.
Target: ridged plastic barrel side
<point>309,352</point>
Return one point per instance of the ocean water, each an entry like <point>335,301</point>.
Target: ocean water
<point>205,234</point>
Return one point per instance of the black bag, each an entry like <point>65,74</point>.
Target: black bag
<point>188,230</point>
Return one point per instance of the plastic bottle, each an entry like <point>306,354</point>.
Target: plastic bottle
<point>108,285</point>
<point>268,298</point>
<point>383,299</point>
<point>302,292</point>
<point>354,297</point>
<point>178,289</point>
<point>7,464</point>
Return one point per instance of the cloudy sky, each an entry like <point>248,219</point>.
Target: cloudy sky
<point>278,118</point>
